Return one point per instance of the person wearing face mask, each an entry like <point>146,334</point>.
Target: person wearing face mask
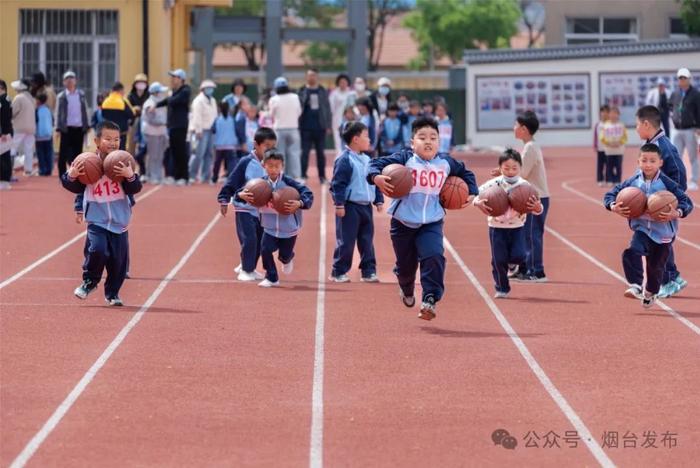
<point>137,97</point>
<point>5,138</point>
<point>118,110</point>
<point>154,128</point>
<point>381,98</point>
<point>359,90</point>
<point>338,99</point>
<point>204,113</point>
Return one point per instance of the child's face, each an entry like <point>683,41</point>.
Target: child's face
<point>614,115</point>
<point>392,113</point>
<point>650,163</point>
<point>264,146</point>
<point>252,112</point>
<point>440,112</point>
<point>107,142</point>
<point>238,89</point>
<point>645,130</point>
<point>349,114</point>
<point>414,110</point>
<point>604,115</point>
<point>362,141</point>
<point>510,168</point>
<point>274,168</point>
<point>425,143</point>
<point>363,110</point>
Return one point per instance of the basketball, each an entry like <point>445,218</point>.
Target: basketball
<point>114,158</point>
<point>519,196</point>
<point>496,199</point>
<point>282,196</point>
<point>633,198</point>
<point>400,177</point>
<point>261,190</point>
<point>661,202</point>
<point>454,193</point>
<point>93,168</point>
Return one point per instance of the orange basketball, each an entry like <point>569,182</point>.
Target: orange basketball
<point>282,196</point>
<point>519,196</point>
<point>659,202</point>
<point>454,193</point>
<point>261,190</point>
<point>400,177</point>
<point>93,168</point>
<point>633,198</point>
<point>496,199</point>
<point>114,158</point>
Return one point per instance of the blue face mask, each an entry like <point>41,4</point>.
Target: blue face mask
<point>209,91</point>
<point>384,90</point>
<point>511,180</point>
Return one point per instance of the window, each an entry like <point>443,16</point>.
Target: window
<point>600,30</point>
<point>84,41</point>
<point>677,29</point>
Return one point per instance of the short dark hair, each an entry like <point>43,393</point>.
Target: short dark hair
<point>605,108</point>
<point>651,114</point>
<point>364,101</point>
<point>42,97</point>
<point>508,155</point>
<point>529,120</point>
<point>414,103</point>
<point>238,82</point>
<point>422,122</point>
<point>118,86</point>
<point>342,76</point>
<point>650,148</point>
<point>273,154</point>
<point>106,125</point>
<point>223,107</point>
<point>393,107</point>
<point>3,85</point>
<point>352,129</point>
<point>264,134</point>
<point>312,69</point>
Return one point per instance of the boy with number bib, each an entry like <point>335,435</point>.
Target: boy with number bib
<point>106,206</point>
<point>417,218</point>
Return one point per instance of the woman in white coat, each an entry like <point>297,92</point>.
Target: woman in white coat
<point>339,101</point>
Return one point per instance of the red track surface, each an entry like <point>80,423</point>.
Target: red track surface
<point>219,373</point>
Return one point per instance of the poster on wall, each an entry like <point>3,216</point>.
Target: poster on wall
<point>628,91</point>
<point>560,101</point>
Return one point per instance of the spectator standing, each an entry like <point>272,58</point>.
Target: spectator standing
<point>359,91</point>
<point>250,125</point>
<point>117,109</point>
<point>204,113</point>
<point>339,100</point>
<point>225,133</point>
<point>5,138</point>
<point>24,124</point>
<point>685,102</point>
<point>154,128</point>
<point>381,98</point>
<point>314,123</point>
<point>238,89</point>
<point>659,97</point>
<point>285,110</point>
<point>40,86</point>
<point>178,122</point>
<point>44,135</point>
<point>391,132</point>
<point>71,121</point>
<point>137,98</point>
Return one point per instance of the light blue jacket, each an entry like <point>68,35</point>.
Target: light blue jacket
<point>44,123</point>
<point>247,168</point>
<point>349,182</point>
<point>281,225</point>
<point>225,133</point>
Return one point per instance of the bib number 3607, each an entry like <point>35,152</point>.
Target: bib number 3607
<point>427,179</point>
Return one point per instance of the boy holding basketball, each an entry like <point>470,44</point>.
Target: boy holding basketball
<point>649,129</point>
<point>107,208</point>
<point>507,231</point>
<point>248,226</point>
<point>417,218</point>
<point>651,239</point>
<point>279,229</point>
<point>353,197</point>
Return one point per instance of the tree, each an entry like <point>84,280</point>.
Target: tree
<point>451,26</point>
<point>380,13</point>
<point>250,49</point>
<point>690,14</point>
<point>533,14</point>
<point>314,13</point>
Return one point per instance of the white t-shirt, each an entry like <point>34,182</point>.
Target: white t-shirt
<point>285,110</point>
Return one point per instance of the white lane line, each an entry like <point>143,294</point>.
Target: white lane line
<point>66,405</point>
<point>60,248</point>
<point>619,277</point>
<point>558,398</point>
<point>566,186</point>
<point>316,446</point>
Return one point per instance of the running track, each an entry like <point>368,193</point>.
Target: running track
<point>200,370</point>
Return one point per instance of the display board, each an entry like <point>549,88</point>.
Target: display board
<point>628,91</point>
<point>560,101</point>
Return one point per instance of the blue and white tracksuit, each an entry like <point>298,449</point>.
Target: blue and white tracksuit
<point>106,206</point>
<point>280,230</point>
<point>390,136</point>
<point>417,218</point>
<point>351,190</point>
<point>652,239</point>
<point>248,226</point>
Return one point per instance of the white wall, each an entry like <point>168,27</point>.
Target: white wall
<point>592,66</point>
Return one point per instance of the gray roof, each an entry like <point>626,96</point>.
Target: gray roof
<point>582,51</point>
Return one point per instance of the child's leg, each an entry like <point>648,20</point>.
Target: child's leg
<point>432,261</point>
<point>96,252</point>
<point>500,254</point>
<point>656,262</point>
<point>346,230</point>
<point>286,247</point>
<point>365,244</point>
<point>268,246</point>
<point>535,241</point>
<point>208,138</point>
<point>403,240</point>
<point>670,270</point>
<point>117,263</point>
<point>617,169</point>
<point>632,258</point>
<point>600,167</point>
<point>41,156</point>
<point>218,159</point>
<point>247,228</point>
<point>609,168</point>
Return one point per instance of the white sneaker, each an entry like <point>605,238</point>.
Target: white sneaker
<point>287,268</point>
<point>144,179</point>
<point>258,275</point>
<point>192,181</point>
<point>266,283</point>
<point>168,181</point>
<point>692,186</point>
<point>245,276</point>
<point>181,182</point>
<point>634,292</point>
<point>5,185</point>
<point>500,295</point>
<point>339,278</point>
<point>373,278</point>
<point>238,268</point>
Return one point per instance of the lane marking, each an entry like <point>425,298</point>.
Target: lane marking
<point>316,446</point>
<point>61,248</point>
<point>566,186</point>
<point>556,395</point>
<point>48,427</point>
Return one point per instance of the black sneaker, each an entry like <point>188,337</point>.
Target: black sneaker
<point>82,291</point>
<point>519,276</point>
<point>114,302</point>
<point>513,271</point>
<point>408,301</point>
<point>427,309</point>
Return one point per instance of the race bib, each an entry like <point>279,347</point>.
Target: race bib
<point>428,180</point>
<point>104,190</point>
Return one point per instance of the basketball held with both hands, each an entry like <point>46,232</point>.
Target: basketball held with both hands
<point>634,199</point>
<point>119,165</point>
<point>260,192</point>
<point>286,200</point>
<point>92,170</point>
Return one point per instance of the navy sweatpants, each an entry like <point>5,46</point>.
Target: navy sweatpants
<point>533,263</point>
<point>670,270</point>
<point>613,172</point>
<point>656,254</point>
<point>507,246</point>
<point>356,226</point>
<point>250,235</point>
<point>106,250</point>
<point>419,246</point>
<point>270,244</point>
<point>600,167</point>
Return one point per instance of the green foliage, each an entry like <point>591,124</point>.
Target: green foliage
<point>690,14</point>
<point>243,8</point>
<point>454,25</point>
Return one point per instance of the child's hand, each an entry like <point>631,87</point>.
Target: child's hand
<point>481,204</point>
<point>246,196</point>
<point>223,209</point>
<point>340,211</point>
<point>621,209</point>
<point>380,208</point>
<point>77,168</point>
<point>534,204</point>
<point>669,215</point>
<point>496,172</point>
<point>124,170</point>
<point>382,182</point>
<point>469,200</point>
<point>291,206</point>
<point>79,218</point>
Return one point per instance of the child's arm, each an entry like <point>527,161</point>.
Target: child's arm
<point>611,196</point>
<point>685,204</point>
<point>529,159</point>
<point>234,183</point>
<point>376,165</point>
<point>132,185</point>
<point>69,179</point>
<point>623,139</point>
<point>342,174</point>
<point>457,168</point>
<point>305,195</point>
